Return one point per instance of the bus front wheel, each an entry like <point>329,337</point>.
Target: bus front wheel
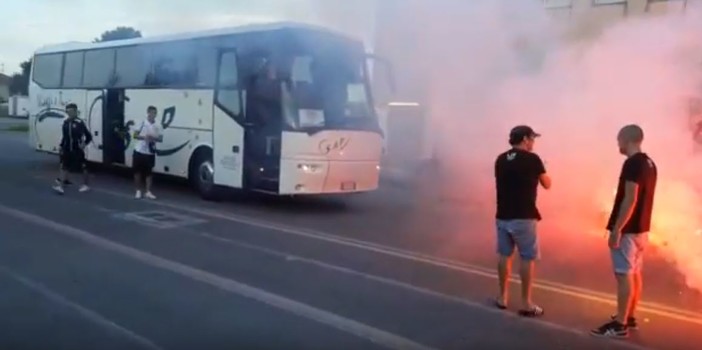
<point>202,175</point>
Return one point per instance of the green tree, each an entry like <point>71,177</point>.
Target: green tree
<point>119,33</point>
<point>19,84</point>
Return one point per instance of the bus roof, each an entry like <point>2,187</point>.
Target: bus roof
<point>75,46</point>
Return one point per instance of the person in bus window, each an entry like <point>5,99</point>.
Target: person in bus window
<point>75,136</point>
<point>144,155</point>
<point>265,95</point>
<point>264,107</point>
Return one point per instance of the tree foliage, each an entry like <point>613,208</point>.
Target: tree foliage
<point>20,81</point>
<point>119,33</point>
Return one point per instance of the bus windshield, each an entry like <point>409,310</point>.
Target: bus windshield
<point>328,93</point>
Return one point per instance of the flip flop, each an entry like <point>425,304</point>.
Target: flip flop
<point>499,304</point>
<point>535,311</point>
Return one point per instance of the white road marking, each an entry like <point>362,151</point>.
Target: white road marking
<point>343,324</point>
<point>395,283</point>
<point>549,286</point>
<point>88,314</point>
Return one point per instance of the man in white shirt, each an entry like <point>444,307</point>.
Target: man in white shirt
<point>144,156</point>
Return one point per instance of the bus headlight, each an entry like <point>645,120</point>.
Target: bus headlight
<point>309,168</point>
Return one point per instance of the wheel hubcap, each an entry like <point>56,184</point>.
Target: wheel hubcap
<point>206,173</point>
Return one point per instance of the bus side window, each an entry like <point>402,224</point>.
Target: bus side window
<point>228,92</point>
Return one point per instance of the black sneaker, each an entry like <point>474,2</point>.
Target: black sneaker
<point>630,322</point>
<point>612,329</point>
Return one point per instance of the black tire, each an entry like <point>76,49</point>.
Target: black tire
<point>202,176</point>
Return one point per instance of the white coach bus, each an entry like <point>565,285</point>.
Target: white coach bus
<point>285,108</point>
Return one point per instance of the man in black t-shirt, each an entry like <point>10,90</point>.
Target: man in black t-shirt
<point>628,228</point>
<point>518,173</point>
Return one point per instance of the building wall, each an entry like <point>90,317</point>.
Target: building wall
<point>585,19</point>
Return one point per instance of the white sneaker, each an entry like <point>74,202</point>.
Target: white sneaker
<point>138,195</point>
<point>58,189</point>
<point>150,195</point>
<point>84,188</point>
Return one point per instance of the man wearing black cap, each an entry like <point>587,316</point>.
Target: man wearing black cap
<point>518,173</point>
<point>75,137</point>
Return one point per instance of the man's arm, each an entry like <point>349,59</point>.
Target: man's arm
<point>64,137</point>
<point>159,135</point>
<point>631,190</point>
<point>86,134</point>
<point>137,133</point>
<point>632,174</point>
<point>544,179</point>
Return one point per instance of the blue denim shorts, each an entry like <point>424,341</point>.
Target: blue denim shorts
<point>520,234</point>
<point>628,258</point>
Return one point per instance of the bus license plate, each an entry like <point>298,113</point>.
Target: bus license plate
<point>348,186</point>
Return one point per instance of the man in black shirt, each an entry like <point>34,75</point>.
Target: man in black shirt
<point>518,173</point>
<point>75,137</point>
<point>628,228</point>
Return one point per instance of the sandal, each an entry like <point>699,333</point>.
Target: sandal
<point>535,311</point>
<point>498,304</point>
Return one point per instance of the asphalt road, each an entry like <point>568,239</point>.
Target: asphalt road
<point>396,269</point>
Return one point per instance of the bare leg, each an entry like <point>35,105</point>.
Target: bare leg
<point>504,268</point>
<point>137,181</point>
<point>149,181</point>
<point>63,176</point>
<point>637,288</point>
<point>624,296</point>
<point>526,273</point>
<point>86,177</point>
<point>60,181</point>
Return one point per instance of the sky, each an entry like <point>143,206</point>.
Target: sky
<point>30,24</point>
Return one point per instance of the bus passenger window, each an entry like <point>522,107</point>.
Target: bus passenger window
<point>175,64</point>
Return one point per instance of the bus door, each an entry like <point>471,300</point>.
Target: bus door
<point>93,117</point>
<point>115,134</point>
<point>264,127</point>
<point>228,123</point>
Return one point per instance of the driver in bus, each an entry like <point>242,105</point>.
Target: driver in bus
<point>264,106</point>
<point>75,137</point>
<point>265,94</point>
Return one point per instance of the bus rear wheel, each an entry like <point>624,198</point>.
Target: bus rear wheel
<point>202,176</point>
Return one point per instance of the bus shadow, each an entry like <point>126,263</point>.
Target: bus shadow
<point>285,204</point>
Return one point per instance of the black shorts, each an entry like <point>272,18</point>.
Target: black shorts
<point>143,163</point>
<point>73,161</point>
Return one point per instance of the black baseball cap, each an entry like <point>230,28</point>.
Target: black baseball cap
<point>519,132</point>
